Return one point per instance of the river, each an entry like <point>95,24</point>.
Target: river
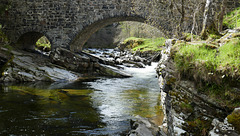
<point>104,106</point>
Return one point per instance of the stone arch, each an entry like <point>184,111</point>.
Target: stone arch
<point>81,38</point>
<point>28,40</point>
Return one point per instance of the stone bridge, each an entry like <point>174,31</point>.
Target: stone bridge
<point>69,23</point>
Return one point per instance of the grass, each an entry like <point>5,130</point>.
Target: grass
<point>232,19</point>
<point>145,44</point>
<point>215,70</point>
<point>228,58</point>
<point>206,61</point>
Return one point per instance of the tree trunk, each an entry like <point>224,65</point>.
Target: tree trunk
<point>208,22</point>
<point>221,16</point>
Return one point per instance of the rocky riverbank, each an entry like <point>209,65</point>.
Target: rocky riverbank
<point>187,109</point>
<point>23,66</point>
<point>63,65</point>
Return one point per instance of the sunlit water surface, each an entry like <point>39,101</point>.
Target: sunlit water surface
<point>101,107</point>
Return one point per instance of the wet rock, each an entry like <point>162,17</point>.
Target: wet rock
<point>5,56</point>
<point>143,127</point>
<point>135,64</point>
<point>85,63</point>
<point>109,71</point>
<point>72,61</point>
<point>122,46</point>
<point>222,129</point>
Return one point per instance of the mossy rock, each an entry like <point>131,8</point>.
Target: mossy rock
<point>199,126</point>
<point>188,37</point>
<point>234,119</point>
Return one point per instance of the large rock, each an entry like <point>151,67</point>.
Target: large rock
<point>5,56</point>
<point>143,127</point>
<point>85,63</point>
<point>28,67</point>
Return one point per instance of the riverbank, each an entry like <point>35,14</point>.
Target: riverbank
<point>202,80</point>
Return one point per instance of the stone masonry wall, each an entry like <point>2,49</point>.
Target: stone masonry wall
<point>69,23</point>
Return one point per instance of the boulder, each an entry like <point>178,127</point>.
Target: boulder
<point>143,127</point>
<point>24,67</point>
<point>85,63</point>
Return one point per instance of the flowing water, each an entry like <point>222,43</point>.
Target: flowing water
<point>101,107</point>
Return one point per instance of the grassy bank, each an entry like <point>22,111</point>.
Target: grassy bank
<point>232,19</point>
<point>145,44</point>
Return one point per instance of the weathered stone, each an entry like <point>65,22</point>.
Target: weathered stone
<point>143,127</point>
<point>69,24</point>
<point>24,67</point>
<point>185,108</point>
<point>85,63</point>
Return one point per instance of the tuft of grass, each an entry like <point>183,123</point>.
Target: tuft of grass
<point>232,19</point>
<point>142,44</point>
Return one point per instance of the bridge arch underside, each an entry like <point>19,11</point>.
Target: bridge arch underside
<point>82,37</point>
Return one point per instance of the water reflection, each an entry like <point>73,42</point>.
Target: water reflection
<point>101,107</point>
<point>35,111</point>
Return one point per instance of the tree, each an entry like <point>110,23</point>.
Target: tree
<point>209,25</point>
<point>179,16</point>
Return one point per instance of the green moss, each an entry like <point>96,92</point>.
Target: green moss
<point>188,37</point>
<point>5,66</point>
<point>223,94</point>
<point>186,107</point>
<point>199,127</point>
<point>3,38</point>
<point>142,45</point>
<point>234,119</point>
<point>232,19</point>
<point>171,80</point>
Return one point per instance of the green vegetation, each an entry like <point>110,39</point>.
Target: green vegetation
<point>186,107</point>
<point>145,44</point>
<point>3,37</point>
<point>43,44</point>
<point>207,62</point>
<point>5,7</point>
<point>199,126</point>
<point>232,19</point>
<point>223,94</point>
<point>189,37</point>
<point>234,119</point>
